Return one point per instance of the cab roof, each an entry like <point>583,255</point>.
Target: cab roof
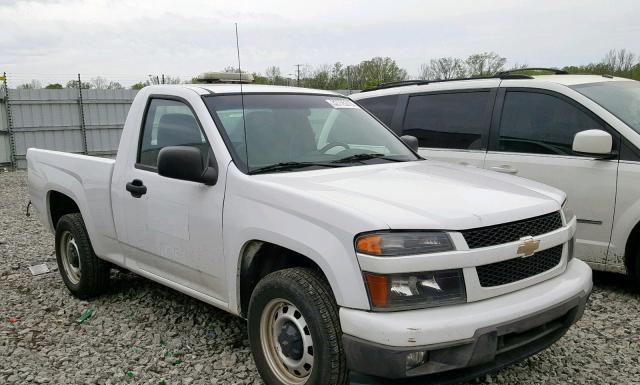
<point>204,89</point>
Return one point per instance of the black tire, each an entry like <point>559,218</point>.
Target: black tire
<point>94,274</point>
<point>634,272</point>
<point>308,291</point>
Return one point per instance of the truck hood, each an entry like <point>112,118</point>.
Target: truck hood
<point>423,194</point>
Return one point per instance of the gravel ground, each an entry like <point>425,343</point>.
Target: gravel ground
<point>143,333</point>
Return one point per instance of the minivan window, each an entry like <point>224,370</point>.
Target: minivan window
<point>621,98</point>
<point>540,123</point>
<point>449,120</point>
<point>382,107</point>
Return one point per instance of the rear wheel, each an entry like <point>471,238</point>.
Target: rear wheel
<point>84,274</point>
<point>294,330</point>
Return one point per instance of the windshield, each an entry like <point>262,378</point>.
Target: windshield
<point>621,98</point>
<point>285,132</point>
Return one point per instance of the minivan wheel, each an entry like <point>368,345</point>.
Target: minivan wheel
<point>84,274</point>
<point>294,330</point>
<point>635,270</point>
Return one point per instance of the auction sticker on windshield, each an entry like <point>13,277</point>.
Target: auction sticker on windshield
<point>341,103</point>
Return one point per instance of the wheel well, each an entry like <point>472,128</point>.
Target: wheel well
<point>261,258</point>
<point>631,250</point>
<point>59,205</point>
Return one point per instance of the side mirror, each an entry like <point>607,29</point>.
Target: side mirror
<point>186,163</point>
<point>410,141</point>
<point>593,142</point>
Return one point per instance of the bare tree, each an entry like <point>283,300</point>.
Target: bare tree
<point>32,85</point>
<point>231,69</point>
<point>518,66</point>
<point>620,60</point>
<point>100,83</point>
<point>172,80</point>
<point>485,64</point>
<point>273,74</point>
<point>442,69</point>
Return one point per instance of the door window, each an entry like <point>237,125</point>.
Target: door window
<point>541,124</point>
<point>168,123</point>
<point>381,107</point>
<point>449,120</point>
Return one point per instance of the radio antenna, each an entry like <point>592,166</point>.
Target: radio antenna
<point>244,122</point>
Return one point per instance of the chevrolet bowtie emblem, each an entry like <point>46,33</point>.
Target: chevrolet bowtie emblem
<point>528,247</point>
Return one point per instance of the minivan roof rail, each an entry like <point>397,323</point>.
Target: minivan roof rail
<point>554,70</point>
<point>418,82</point>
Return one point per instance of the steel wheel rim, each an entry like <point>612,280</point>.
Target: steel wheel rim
<point>70,256</point>
<point>276,316</point>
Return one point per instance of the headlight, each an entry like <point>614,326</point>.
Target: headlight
<point>387,244</point>
<point>566,211</point>
<point>415,290</point>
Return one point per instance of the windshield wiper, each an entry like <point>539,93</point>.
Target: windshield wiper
<point>286,166</point>
<point>361,157</point>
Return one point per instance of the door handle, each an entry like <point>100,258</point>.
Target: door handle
<point>505,169</point>
<point>136,188</point>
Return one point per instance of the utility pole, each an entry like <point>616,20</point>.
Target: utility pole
<point>298,81</point>
<point>348,80</point>
<point>162,78</point>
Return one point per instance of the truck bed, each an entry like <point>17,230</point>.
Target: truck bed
<point>85,179</point>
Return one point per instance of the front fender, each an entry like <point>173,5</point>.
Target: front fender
<point>326,245</point>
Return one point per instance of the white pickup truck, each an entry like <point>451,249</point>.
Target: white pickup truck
<point>345,251</point>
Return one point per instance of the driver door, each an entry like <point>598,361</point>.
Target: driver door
<point>532,137</point>
<point>174,229</point>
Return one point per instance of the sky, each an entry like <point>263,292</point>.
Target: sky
<point>53,40</point>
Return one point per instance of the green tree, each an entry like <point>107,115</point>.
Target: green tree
<point>615,62</point>
<point>74,84</point>
<point>259,79</point>
<point>139,85</point>
<point>54,86</point>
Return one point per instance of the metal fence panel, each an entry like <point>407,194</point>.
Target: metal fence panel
<point>3,116</point>
<point>5,156</point>
<point>51,119</point>
<point>104,113</point>
<point>48,119</point>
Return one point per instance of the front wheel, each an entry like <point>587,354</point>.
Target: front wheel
<point>294,330</point>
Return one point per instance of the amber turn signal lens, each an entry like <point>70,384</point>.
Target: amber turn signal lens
<point>378,289</point>
<point>369,244</point>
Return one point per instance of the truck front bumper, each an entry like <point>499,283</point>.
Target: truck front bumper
<point>462,342</point>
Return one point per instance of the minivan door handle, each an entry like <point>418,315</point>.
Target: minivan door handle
<point>505,169</point>
<point>136,188</point>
